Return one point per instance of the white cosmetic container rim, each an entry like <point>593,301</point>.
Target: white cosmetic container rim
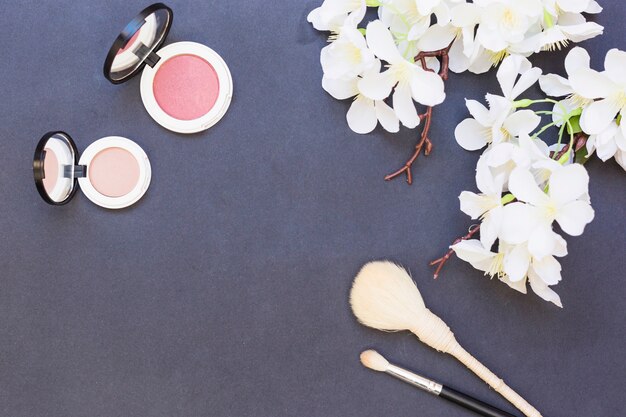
<point>145,172</point>
<point>219,108</point>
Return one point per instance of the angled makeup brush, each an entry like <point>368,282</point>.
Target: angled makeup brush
<point>375,361</point>
<point>384,297</point>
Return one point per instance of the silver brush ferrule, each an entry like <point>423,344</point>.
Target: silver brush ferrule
<point>414,379</point>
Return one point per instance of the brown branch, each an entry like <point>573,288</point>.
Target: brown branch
<point>424,143</point>
<point>441,261</point>
<point>580,139</point>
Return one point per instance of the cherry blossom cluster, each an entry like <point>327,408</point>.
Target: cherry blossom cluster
<point>474,36</point>
<point>525,186</point>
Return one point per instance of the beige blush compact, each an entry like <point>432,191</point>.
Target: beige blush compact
<point>186,87</point>
<point>113,172</point>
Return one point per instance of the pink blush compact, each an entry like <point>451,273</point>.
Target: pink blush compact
<point>113,172</point>
<point>185,86</point>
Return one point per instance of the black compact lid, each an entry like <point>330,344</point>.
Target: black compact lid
<point>62,165</point>
<point>135,46</point>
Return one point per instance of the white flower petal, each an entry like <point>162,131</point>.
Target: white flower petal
<point>569,183</point>
<point>522,121</point>
<point>516,263</point>
<point>470,135</point>
<point>474,205</point>
<point>340,89</point>
<point>427,88</point>
<point>479,112</point>
<point>560,247</point>
<point>583,31</point>
<point>436,37</point>
<point>507,73</point>
<point>471,250</point>
<point>465,14</point>
<point>576,59</point>
<point>517,285</point>
<point>376,86</point>
<point>593,7</point>
<point>542,241</point>
<point>518,221</point>
<point>362,115</point>
<point>599,115</point>
<point>490,226</point>
<point>574,216</point>
<point>523,186</point>
<point>458,62</point>
<point>591,84</point>
<point>548,269</point>
<point>404,107</point>
<point>615,65</point>
<point>526,80</point>
<point>381,42</point>
<point>573,6</point>
<point>542,290</point>
<point>387,117</point>
<point>555,85</point>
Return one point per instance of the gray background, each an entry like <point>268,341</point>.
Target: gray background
<point>224,291</point>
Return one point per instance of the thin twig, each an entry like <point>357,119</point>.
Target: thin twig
<point>441,261</point>
<point>424,143</point>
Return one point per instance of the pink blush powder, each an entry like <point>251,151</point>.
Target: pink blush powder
<point>186,87</point>
<point>51,170</point>
<point>113,172</point>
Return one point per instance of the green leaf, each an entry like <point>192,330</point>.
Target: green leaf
<point>574,122</point>
<point>372,3</point>
<point>362,30</point>
<point>581,156</point>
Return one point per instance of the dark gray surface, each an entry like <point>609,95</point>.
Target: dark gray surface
<point>224,291</point>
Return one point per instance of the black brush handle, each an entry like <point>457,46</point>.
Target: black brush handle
<point>472,403</point>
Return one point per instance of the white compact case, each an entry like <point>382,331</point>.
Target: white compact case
<point>113,172</point>
<point>186,87</point>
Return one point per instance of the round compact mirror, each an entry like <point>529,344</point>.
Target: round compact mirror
<point>54,167</point>
<point>135,46</point>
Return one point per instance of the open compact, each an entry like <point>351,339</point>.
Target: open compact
<point>113,172</point>
<point>185,86</point>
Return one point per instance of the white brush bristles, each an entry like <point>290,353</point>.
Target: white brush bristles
<point>374,360</point>
<point>385,297</point>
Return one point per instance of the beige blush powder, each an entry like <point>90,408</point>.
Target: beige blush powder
<point>113,172</point>
<point>50,170</point>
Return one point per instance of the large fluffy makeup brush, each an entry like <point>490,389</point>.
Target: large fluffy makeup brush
<point>385,297</point>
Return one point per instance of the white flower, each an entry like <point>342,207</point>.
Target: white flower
<point>572,6</point>
<point>332,14</point>
<point>493,125</point>
<point>609,143</point>
<point>410,80</point>
<point>609,86</point>
<point>568,27</point>
<point>364,113</point>
<point>486,206</point>
<point>504,25</point>
<point>348,56</point>
<point>500,122</point>
<point>540,274</point>
<point>566,201</point>
<point>557,86</point>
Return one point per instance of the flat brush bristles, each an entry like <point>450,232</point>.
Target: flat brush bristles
<point>384,297</point>
<point>374,361</point>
